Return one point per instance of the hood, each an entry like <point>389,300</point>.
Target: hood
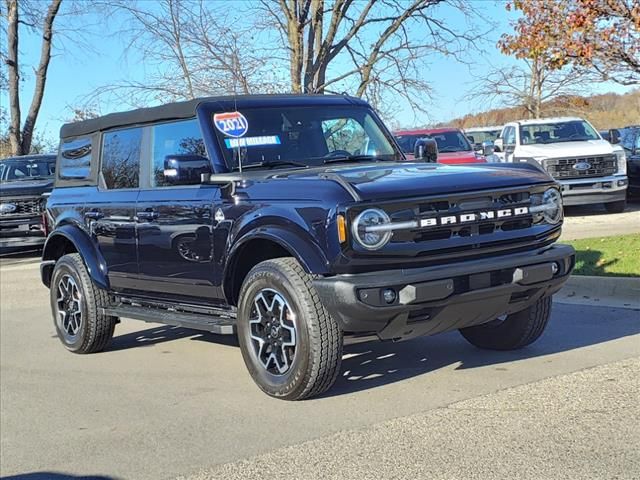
<point>402,180</point>
<point>18,188</point>
<point>566,149</point>
<point>453,158</point>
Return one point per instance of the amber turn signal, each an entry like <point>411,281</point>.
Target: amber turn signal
<point>342,229</point>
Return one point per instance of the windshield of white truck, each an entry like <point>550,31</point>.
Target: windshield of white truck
<point>557,132</point>
<point>303,136</point>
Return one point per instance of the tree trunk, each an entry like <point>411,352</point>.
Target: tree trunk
<point>14,77</point>
<point>41,76</point>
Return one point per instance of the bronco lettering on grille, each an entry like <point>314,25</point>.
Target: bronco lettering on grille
<point>473,217</point>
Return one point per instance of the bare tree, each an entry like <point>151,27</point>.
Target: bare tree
<point>189,50</point>
<point>21,134</point>
<point>528,85</point>
<point>367,47</point>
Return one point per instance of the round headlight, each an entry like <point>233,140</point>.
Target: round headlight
<point>552,199</point>
<point>368,237</point>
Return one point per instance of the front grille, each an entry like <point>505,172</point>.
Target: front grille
<point>596,166</point>
<point>23,207</point>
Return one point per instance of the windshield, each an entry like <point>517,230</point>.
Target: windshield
<point>301,136</point>
<point>572,131</point>
<point>26,169</point>
<point>483,136</point>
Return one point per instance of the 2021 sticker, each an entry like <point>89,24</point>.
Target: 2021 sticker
<point>232,124</point>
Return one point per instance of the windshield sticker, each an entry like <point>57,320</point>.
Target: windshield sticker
<point>252,141</point>
<point>232,124</point>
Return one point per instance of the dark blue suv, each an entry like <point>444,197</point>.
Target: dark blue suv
<point>294,222</point>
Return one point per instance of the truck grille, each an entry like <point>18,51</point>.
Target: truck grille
<point>565,168</point>
<point>30,206</point>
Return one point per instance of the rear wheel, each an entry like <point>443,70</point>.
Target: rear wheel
<point>511,331</point>
<point>616,207</point>
<point>76,305</point>
<point>290,344</point>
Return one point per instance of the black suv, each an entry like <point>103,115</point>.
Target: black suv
<point>292,221</point>
<point>23,181</point>
<point>630,141</point>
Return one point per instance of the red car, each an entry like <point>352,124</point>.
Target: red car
<point>453,146</point>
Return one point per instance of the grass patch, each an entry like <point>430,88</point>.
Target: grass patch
<point>608,256</point>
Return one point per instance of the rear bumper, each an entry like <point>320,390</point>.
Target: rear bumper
<point>587,191</point>
<point>21,232</point>
<point>436,299</point>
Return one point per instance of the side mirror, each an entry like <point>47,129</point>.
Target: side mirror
<point>426,149</point>
<point>487,148</point>
<point>614,136</point>
<point>497,145</point>
<point>185,169</point>
<point>472,140</point>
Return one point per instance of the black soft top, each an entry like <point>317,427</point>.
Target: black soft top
<point>187,109</point>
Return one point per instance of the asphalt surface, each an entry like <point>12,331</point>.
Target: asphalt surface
<point>164,402</point>
<point>593,221</point>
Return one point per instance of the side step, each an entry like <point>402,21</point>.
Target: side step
<point>197,321</point>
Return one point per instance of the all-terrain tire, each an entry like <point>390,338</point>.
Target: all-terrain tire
<point>95,329</point>
<point>616,207</point>
<point>318,351</point>
<point>515,331</point>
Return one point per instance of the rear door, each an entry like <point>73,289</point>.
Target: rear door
<point>109,211</point>
<point>175,223</point>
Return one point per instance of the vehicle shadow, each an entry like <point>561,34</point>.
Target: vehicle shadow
<point>373,364</point>
<point>55,476</point>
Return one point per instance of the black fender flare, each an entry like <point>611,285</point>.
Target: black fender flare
<point>302,249</point>
<point>83,244</point>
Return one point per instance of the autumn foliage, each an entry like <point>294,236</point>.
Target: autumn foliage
<point>602,36</point>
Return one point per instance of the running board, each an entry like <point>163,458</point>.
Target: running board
<point>196,321</point>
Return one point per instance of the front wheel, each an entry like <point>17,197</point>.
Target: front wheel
<point>616,207</point>
<point>289,342</point>
<point>512,331</point>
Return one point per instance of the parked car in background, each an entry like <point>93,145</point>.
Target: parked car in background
<point>630,141</point>
<point>299,225</point>
<point>23,181</point>
<point>605,134</point>
<point>478,135</point>
<point>453,146</point>
<point>590,169</point>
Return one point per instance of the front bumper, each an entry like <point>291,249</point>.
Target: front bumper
<point>436,299</point>
<point>587,191</point>
<point>21,232</point>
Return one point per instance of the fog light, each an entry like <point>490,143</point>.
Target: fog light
<point>389,295</point>
<point>555,268</point>
<point>607,184</point>
<point>622,183</point>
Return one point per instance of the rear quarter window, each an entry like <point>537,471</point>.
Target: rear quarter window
<point>75,159</point>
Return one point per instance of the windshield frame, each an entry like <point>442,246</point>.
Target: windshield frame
<point>596,135</point>
<point>368,114</point>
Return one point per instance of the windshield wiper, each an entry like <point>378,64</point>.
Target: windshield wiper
<point>351,158</point>
<point>273,163</point>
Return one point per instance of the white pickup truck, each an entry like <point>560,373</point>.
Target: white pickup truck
<point>590,169</point>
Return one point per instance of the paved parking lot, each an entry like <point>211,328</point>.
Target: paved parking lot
<point>164,402</point>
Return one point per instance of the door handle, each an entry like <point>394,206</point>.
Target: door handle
<point>147,216</point>
<point>93,215</point>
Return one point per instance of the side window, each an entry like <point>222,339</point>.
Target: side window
<point>510,136</point>
<point>75,159</point>
<point>176,138</point>
<point>121,158</point>
<point>638,142</point>
<point>345,135</point>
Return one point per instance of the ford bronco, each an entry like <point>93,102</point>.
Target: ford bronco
<point>292,222</point>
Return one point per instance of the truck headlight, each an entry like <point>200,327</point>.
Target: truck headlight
<point>365,232</point>
<point>622,162</point>
<point>547,207</point>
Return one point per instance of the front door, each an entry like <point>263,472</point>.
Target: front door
<point>175,223</point>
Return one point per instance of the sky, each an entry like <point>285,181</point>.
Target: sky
<point>76,70</point>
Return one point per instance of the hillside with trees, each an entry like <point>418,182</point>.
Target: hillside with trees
<point>605,111</point>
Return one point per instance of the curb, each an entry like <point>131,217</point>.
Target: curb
<point>619,292</point>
